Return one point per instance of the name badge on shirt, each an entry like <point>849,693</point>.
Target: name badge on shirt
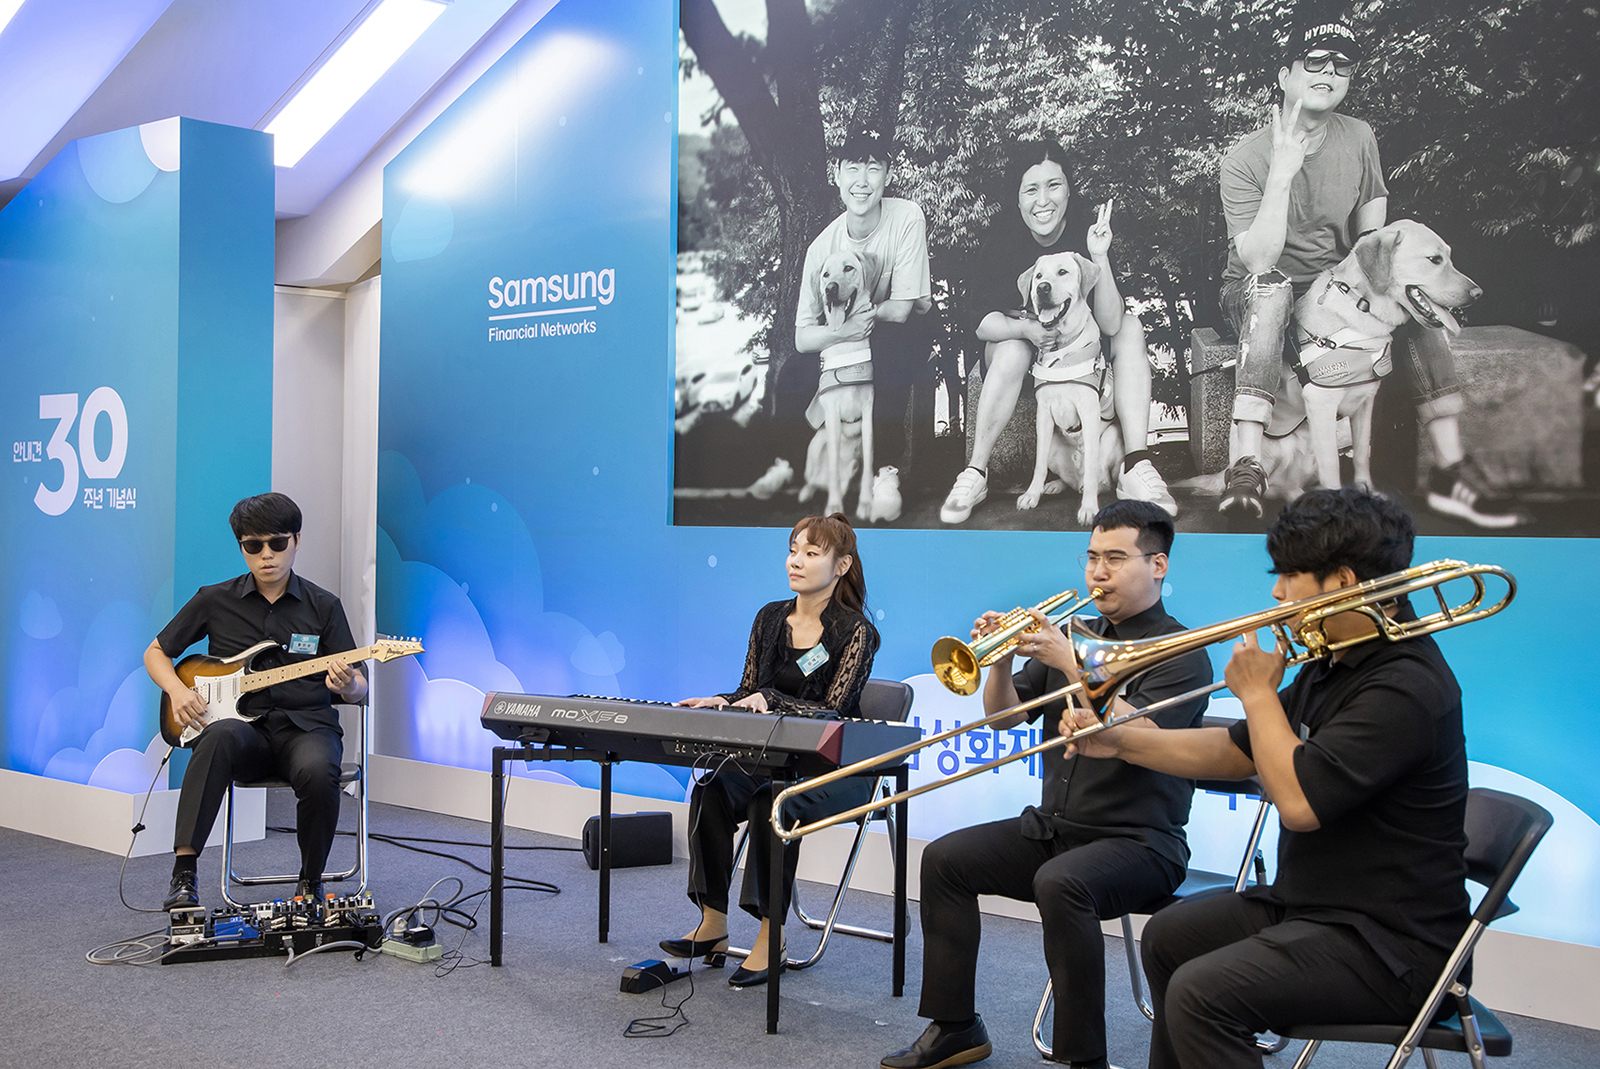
<point>303,643</point>
<point>813,659</point>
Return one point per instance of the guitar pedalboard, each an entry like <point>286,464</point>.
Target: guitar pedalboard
<point>266,929</point>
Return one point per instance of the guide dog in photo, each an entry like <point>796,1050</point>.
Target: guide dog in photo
<point>1078,437</point>
<point>841,411</point>
<point>1344,325</point>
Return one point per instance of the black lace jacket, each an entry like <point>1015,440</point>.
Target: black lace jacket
<point>851,642</point>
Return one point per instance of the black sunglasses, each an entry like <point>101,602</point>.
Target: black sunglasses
<point>1317,62</point>
<point>252,546</point>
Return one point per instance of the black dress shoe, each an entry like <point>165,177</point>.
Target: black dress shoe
<point>715,950</point>
<point>183,893</point>
<point>310,890</point>
<point>743,977</point>
<point>937,1048</point>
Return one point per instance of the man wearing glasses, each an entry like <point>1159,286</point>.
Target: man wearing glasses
<point>1297,195</point>
<point>1107,838</point>
<point>295,731</point>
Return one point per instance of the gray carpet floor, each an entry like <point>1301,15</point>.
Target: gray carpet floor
<point>554,1002</point>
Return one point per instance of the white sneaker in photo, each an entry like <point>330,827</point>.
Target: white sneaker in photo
<point>1143,483</point>
<point>886,495</point>
<point>971,487</point>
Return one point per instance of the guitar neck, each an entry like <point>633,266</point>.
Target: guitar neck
<point>272,676</point>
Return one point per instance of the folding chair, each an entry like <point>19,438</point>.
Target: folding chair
<point>1502,832</point>
<point>349,772</point>
<point>881,699</point>
<point>1195,882</point>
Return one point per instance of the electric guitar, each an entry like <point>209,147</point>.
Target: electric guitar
<point>221,682</point>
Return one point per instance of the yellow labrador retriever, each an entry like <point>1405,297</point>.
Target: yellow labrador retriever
<point>1078,437</point>
<point>841,411</point>
<point>1344,324</point>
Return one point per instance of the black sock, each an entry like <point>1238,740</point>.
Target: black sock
<point>182,863</point>
<point>1098,1063</point>
<point>957,1026</point>
<point>1127,465</point>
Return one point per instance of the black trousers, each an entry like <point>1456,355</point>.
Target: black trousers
<point>727,798</point>
<point>1074,884</point>
<point>258,749</point>
<point>1224,968</point>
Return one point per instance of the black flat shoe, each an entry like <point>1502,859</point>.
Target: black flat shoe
<point>310,890</point>
<point>743,977</point>
<point>715,950</point>
<point>938,1048</point>
<point>182,894</point>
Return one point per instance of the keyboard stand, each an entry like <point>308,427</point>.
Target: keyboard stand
<point>780,779</point>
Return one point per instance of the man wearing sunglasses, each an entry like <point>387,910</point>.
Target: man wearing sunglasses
<point>1297,195</point>
<point>1106,839</point>
<point>295,731</point>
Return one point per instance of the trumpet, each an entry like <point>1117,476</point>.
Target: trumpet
<point>1107,667</point>
<point>956,663</point>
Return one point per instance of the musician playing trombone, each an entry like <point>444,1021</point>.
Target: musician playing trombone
<point>1106,839</point>
<point>1365,758</point>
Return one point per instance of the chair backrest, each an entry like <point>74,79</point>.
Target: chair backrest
<point>886,699</point>
<point>1502,831</point>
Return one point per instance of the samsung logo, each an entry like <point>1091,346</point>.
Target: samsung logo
<point>553,289</point>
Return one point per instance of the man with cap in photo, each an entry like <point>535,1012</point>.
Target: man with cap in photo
<point>1297,194</point>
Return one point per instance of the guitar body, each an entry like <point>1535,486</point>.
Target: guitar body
<point>222,682</point>
<point>219,681</point>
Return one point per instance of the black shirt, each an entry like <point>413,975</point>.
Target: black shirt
<point>1088,798</point>
<point>1384,767</point>
<point>235,616</point>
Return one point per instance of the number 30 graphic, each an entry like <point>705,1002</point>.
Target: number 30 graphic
<point>63,408</point>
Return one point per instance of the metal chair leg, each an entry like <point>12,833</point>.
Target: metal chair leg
<point>1432,1061</point>
<point>1045,1006</point>
<point>1307,1054</point>
<point>1135,973</point>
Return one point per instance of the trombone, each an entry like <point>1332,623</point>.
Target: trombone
<point>1107,667</point>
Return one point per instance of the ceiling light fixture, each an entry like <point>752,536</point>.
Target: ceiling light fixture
<point>357,64</point>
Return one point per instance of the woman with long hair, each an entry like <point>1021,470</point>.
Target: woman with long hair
<point>1052,217</point>
<point>811,651</point>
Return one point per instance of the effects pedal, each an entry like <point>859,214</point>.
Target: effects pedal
<point>268,929</point>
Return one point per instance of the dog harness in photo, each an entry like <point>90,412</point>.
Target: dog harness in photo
<point>853,374</point>
<point>1348,357</point>
<point>1080,361</point>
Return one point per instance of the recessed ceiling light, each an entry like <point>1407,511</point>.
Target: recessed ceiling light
<point>374,46</point>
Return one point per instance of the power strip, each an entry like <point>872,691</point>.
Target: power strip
<point>399,948</point>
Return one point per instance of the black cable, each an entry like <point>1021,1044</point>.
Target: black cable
<point>404,843</point>
<point>138,826</point>
<point>656,1027</point>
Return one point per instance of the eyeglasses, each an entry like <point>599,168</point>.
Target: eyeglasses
<point>1113,561</point>
<point>1317,62</point>
<point>252,546</point>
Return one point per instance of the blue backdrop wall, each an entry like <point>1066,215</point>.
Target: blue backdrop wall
<point>525,477</point>
<point>136,313</point>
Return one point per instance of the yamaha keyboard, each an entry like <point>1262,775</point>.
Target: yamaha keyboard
<point>804,743</point>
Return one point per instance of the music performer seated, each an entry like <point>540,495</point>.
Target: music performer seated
<point>812,651</point>
<point>1365,758</point>
<point>295,733</point>
<point>1106,839</point>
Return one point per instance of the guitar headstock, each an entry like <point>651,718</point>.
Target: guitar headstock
<point>387,649</point>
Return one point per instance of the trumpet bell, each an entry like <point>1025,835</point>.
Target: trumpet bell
<point>956,665</point>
